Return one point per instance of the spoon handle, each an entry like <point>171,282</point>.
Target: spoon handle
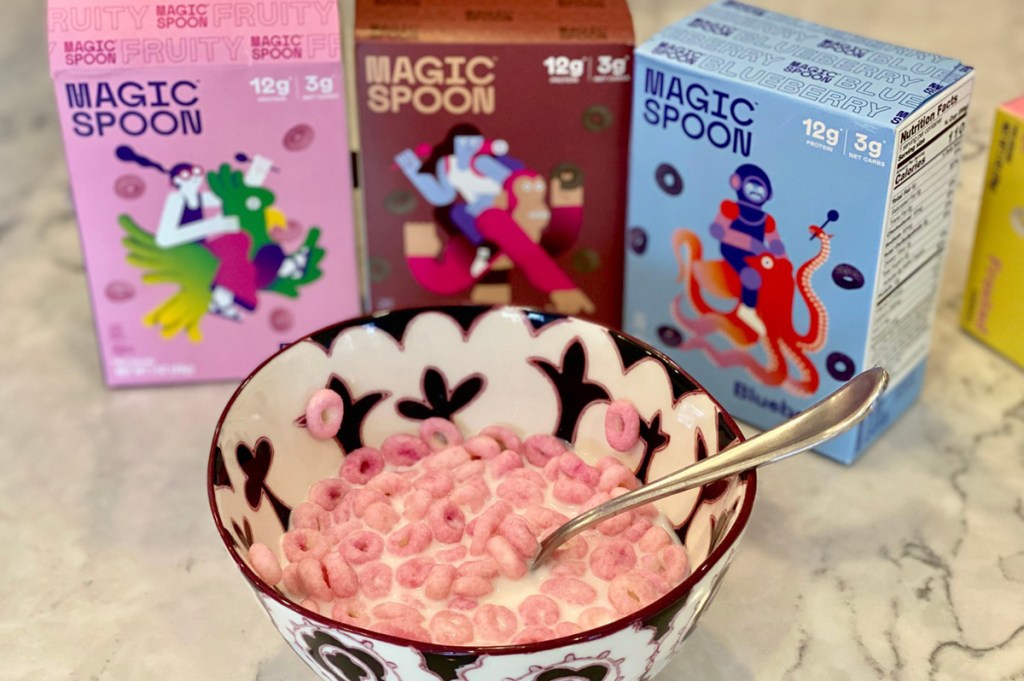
<point>822,421</point>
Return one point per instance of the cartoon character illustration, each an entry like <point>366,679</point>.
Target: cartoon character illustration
<point>215,244</point>
<point>466,167</point>
<point>744,229</point>
<point>496,214</point>
<point>757,279</point>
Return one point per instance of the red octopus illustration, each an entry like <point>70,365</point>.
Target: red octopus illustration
<point>783,344</point>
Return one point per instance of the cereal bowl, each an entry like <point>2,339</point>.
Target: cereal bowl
<point>529,371</point>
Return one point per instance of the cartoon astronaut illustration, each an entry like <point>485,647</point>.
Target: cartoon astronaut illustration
<point>745,229</point>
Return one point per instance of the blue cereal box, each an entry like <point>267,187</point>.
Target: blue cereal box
<point>790,198</point>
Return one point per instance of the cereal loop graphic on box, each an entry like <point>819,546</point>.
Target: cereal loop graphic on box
<point>129,186</point>
<point>298,137</point>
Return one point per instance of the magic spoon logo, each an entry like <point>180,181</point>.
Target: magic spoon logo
<point>134,108</point>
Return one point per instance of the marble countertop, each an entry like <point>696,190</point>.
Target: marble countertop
<point>908,565</point>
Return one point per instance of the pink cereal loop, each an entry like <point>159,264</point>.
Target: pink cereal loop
<point>591,618</point>
<point>569,568</point>
<point>468,471</point>
<point>534,634</point>
<point>633,590</point>
<point>453,554</point>
<point>446,459</point>
<point>361,465</point>
<point>569,589</point>
<point>307,516</point>
<point>440,434</point>
<point>416,504</point>
<point>410,539</point>
<point>486,524</point>
<point>616,524</point>
<point>293,582</point>
<point>439,582</point>
<point>438,483</point>
<point>653,539</point>
<point>508,560</point>
<point>505,463</point>
<point>340,576</point>
<point>567,629</point>
<point>517,532</point>
<point>381,517</point>
<point>403,450</point>
<point>539,449</point>
<point>463,603</point>
<point>401,628</point>
<point>484,567</point>
<point>328,493</point>
<point>324,412</point>
<point>472,493</point>
<point>529,476</point>
<point>314,579</point>
<point>447,521</point>
<point>574,549</point>
<point>505,437</point>
<point>494,623</point>
<point>451,628</point>
<point>675,561</point>
<point>390,610</point>
<point>571,491</point>
<point>537,609</point>
<point>361,547</point>
<point>577,469</point>
<point>612,558</point>
<point>635,532</point>
<point>543,517</point>
<point>621,425</point>
<point>390,484</point>
<point>472,586</point>
<point>363,498</point>
<point>520,493</point>
<point>413,573</point>
<point>616,476</point>
<point>265,564</point>
<point>482,447</point>
<point>303,543</point>
<point>351,611</point>
<point>375,580</point>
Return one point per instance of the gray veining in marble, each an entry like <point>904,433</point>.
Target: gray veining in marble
<point>908,565</point>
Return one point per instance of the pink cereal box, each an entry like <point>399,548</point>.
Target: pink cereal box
<point>207,151</point>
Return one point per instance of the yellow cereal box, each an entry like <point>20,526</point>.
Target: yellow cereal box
<point>993,304</point>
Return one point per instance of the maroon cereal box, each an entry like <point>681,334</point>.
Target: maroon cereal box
<point>493,143</point>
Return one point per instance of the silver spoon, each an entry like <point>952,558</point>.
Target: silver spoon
<point>822,421</point>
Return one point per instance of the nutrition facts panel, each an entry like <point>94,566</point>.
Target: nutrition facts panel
<point>917,226</point>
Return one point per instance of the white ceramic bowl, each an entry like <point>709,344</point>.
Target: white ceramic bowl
<point>532,371</point>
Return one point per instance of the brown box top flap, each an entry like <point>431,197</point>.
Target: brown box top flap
<point>494,21</point>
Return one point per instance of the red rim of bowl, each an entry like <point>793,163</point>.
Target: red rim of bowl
<point>674,595</point>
